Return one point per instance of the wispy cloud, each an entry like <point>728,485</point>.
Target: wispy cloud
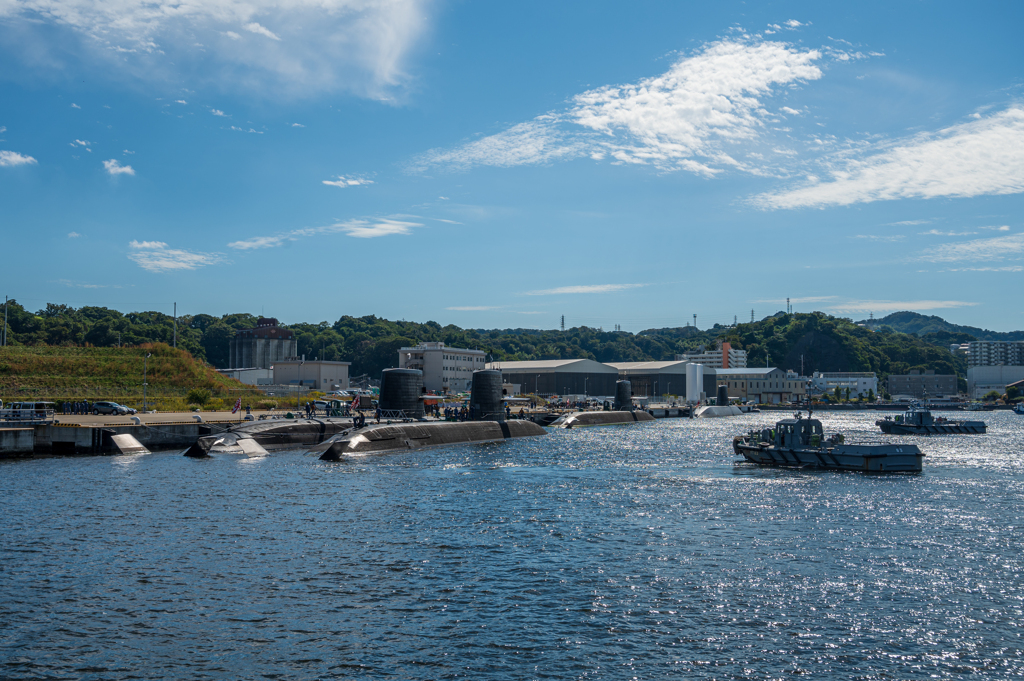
<point>73,235</point>
<point>360,229</point>
<point>907,223</point>
<point>347,181</point>
<point>298,125</point>
<point>81,143</point>
<point>688,118</point>
<point>995,248</point>
<point>258,29</point>
<point>797,301</point>
<point>13,158</point>
<point>1008,268</point>
<point>1002,228</point>
<point>114,167</point>
<point>593,288</point>
<point>936,232</point>
<point>75,106</point>
<point>218,112</point>
<point>881,237</point>
<point>180,101</point>
<point>473,308</point>
<point>315,45</point>
<point>77,284</point>
<point>250,130</point>
<point>156,256</point>
<point>792,112</point>
<point>878,306</point>
<point>980,157</point>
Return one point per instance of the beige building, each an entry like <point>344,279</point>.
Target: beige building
<point>444,368</point>
<point>767,385</point>
<point>316,375</point>
<point>725,357</point>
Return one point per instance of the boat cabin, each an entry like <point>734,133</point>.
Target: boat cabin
<point>798,432</point>
<point>916,417</point>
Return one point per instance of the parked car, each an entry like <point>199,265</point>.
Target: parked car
<point>112,408</point>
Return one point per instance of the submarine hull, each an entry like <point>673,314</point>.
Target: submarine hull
<point>583,419</point>
<point>381,439</point>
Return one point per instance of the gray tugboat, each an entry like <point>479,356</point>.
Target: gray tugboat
<point>800,443</point>
<point>917,421</point>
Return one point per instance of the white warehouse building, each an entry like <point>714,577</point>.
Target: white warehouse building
<point>859,382</point>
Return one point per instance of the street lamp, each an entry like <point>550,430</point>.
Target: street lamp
<point>298,386</point>
<point>536,386</point>
<point>585,379</point>
<point>144,384</point>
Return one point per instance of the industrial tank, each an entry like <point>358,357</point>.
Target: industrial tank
<point>623,396</point>
<point>485,399</point>
<point>723,396</point>
<point>694,382</point>
<point>402,390</point>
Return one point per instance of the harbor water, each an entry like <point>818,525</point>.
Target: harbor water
<point>640,551</point>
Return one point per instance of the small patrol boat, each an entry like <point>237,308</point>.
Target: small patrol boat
<point>917,421</point>
<point>800,443</point>
<point>1019,409</point>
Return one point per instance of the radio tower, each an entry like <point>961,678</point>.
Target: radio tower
<point>563,323</point>
<point>789,308</point>
<point>751,316</point>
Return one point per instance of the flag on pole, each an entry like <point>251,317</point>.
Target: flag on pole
<point>238,405</point>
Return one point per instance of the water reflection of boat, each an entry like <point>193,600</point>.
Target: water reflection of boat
<point>800,443</point>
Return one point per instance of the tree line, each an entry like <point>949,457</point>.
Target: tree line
<point>801,342</point>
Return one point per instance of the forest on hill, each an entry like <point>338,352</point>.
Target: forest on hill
<point>808,342</point>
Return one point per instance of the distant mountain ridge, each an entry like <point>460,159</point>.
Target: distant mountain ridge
<point>923,325</point>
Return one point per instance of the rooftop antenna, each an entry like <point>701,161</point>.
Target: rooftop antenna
<point>789,308</point>
<point>734,318</point>
<point>751,315</point>
<point>563,323</point>
<point>694,320</point>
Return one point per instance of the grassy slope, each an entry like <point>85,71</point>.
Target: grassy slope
<point>58,373</point>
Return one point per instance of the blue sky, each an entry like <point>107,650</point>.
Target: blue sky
<point>501,165</point>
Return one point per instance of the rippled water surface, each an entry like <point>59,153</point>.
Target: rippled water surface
<point>607,553</point>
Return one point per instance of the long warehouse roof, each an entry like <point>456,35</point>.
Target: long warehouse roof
<point>576,366</point>
<point>649,367</point>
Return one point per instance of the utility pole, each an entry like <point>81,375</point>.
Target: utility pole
<point>175,325</point>
<point>802,365</point>
<point>144,384</point>
<point>563,323</point>
<point>5,322</point>
<point>751,316</point>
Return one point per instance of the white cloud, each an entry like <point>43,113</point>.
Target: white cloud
<point>1008,268</point>
<point>81,143</point>
<point>442,198</point>
<point>316,45</point>
<point>793,112</point>
<point>798,301</point>
<point>155,256</point>
<point>250,130</point>
<point>255,27</point>
<point>115,168</point>
<point>935,232</point>
<point>361,229</point>
<point>981,157</point>
<point>127,152</point>
<point>75,106</point>
<point>995,248</point>
<point>13,158</point>
<point>3,129</point>
<point>218,112</point>
<point>593,288</point>
<point>882,237</point>
<point>908,223</point>
<point>1002,228</point>
<point>180,101</point>
<point>73,235</point>
<point>688,118</point>
<point>879,306</point>
<point>347,181</point>
<point>793,23</point>
<point>473,308</point>
<point>298,125</point>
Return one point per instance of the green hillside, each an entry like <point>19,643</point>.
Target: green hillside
<point>937,328</point>
<point>76,373</point>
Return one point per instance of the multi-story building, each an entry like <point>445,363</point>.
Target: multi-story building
<point>260,347</point>
<point>444,369</point>
<point>922,386</point>
<point>859,382</point>
<point>560,377</point>
<point>767,385</point>
<point>726,357</point>
<point>991,365</point>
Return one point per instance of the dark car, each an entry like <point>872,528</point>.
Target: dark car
<point>109,408</point>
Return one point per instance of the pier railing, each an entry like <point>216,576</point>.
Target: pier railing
<point>26,417</point>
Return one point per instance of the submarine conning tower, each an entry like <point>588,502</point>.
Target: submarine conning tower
<point>402,390</point>
<point>485,400</point>
<point>623,396</point>
<point>723,396</point>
